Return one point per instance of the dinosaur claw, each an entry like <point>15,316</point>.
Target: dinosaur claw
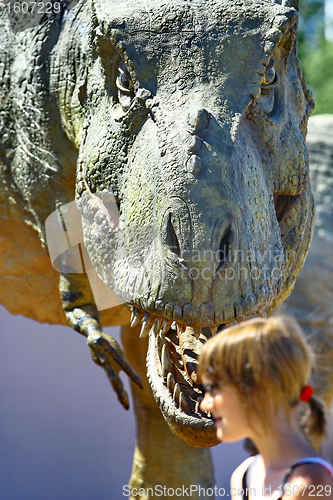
<point>107,353</point>
<point>137,380</point>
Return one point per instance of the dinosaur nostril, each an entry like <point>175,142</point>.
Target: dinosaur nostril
<point>223,253</point>
<point>172,239</point>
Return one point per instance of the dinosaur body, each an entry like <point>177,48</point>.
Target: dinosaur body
<point>192,116</point>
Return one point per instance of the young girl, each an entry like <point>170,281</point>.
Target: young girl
<point>255,377</point>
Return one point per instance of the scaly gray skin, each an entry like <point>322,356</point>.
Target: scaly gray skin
<point>311,301</point>
<point>199,135</point>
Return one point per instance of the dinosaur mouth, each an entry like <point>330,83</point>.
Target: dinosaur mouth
<point>172,362</point>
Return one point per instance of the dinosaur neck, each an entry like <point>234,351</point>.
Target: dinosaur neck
<point>160,455</point>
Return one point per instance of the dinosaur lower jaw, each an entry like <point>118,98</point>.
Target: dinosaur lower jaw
<point>172,374</point>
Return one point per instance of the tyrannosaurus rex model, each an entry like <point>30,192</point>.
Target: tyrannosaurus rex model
<point>179,128</point>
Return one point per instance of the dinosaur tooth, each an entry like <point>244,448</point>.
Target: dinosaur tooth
<point>136,316</point>
<point>166,325</point>
<point>170,382</point>
<point>182,401</point>
<point>176,393</point>
<point>213,330</point>
<point>174,325</point>
<point>166,362</point>
<point>197,331</point>
<point>157,325</point>
<point>146,325</point>
<point>160,344</point>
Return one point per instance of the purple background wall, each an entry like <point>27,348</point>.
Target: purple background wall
<point>63,434</point>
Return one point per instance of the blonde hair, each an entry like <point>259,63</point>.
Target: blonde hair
<point>265,359</point>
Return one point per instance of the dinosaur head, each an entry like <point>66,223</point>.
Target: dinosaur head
<point>196,120</point>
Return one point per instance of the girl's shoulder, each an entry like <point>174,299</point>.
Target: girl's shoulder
<point>309,480</point>
<point>236,481</point>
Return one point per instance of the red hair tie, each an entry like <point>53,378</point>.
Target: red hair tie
<point>307,393</point>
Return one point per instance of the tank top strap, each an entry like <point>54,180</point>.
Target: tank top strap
<point>244,479</point>
<point>310,460</point>
<point>244,486</point>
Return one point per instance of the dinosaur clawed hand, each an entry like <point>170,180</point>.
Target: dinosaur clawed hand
<point>107,353</point>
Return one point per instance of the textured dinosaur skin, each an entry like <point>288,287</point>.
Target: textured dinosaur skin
<point>194,115</point>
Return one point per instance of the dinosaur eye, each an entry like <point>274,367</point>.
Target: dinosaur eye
<point>270,79</point>
<point>123,81</point>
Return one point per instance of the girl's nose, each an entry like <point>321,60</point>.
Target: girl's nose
<point>207,403</point>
